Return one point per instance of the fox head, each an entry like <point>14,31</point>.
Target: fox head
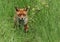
<point>21,13</point>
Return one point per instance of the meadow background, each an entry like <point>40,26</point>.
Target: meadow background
<point>44,25</point>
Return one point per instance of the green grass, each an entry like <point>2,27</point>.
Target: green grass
<point>44,25</point>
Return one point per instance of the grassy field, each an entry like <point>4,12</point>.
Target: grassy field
<point>44,25</point>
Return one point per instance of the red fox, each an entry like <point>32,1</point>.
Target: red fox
<point>21,18</point>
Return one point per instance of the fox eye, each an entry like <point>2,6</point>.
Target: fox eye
<point>19,14</point>
<point>24,14</point>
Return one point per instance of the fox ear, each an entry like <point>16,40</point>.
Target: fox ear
<point>16,9</point>
<point>26,9</point>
